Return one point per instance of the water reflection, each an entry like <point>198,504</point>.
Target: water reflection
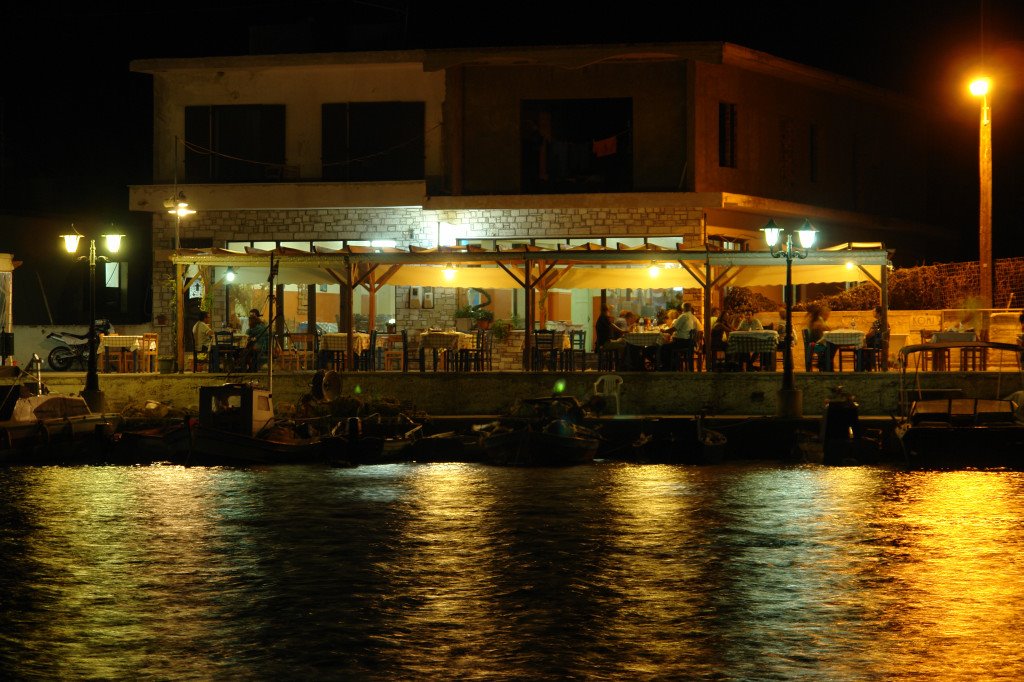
<point>461,571</point>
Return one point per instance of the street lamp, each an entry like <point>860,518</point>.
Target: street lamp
<point>790,398</point>
<point>92,393</point>
<point>986,274</point>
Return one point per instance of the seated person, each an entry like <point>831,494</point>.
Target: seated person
<point>682,337</point>
<point>749,323</point>
<point>203,340</point>
<point>873,341</point>
<point>608,335</point>
<point>718,340</point>
<point>817,325</point>
<point>258,341</point>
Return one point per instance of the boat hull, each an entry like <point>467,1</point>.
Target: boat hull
<point>976,447</point>
<point>215,447</point>
<point>526,447</point>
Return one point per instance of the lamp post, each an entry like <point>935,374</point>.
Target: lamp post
<point>92,393</point>
<point>986,273</point>
<point>177,205</point>
<point>790,398</point>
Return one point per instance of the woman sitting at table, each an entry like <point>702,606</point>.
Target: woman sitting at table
<point>817,325</point>
<point>608,335</point>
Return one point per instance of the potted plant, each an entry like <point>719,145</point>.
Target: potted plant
<point>465,318</point>
<point>500,329</point>
<point>484,318</point>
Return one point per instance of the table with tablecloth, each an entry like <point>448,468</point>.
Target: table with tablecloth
<point>742,346</point>
<point>642,348</point>
<point>119,351</point>
<point>838,339</point>
<point>442,346</point>
<point>333,345</point>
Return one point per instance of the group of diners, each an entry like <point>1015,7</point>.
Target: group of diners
<point>251,356</point>
<point>678,329</point>
<point>681,328</point>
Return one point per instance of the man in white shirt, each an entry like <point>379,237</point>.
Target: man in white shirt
<point>202,338</point>
<point>750,323</point>
<point>682,338</point>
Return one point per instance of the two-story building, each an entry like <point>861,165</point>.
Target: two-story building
<point>699,143</point>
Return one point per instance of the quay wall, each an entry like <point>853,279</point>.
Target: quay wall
<point>486,393</point>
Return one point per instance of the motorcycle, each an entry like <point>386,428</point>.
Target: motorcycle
<point>73,348</point>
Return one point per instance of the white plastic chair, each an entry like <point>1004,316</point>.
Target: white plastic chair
<point>609,386</point>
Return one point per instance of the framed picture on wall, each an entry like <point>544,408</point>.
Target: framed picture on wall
<point>414,297</point>
<point>428,297</point>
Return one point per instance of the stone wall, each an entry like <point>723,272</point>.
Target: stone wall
<point>649,393</point>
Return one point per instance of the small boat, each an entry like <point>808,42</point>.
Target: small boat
<point>236,426</point>
<point>377,439</point>
<point>541,432</point>
<point>963,433</point>
<point>954,432</point>
<point>39,427</point>
<point>153,432</point>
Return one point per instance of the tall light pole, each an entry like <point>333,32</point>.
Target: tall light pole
<point>986,273</point>
<point>790,398</point>
<point>177,205</point>
<point>92,393</point>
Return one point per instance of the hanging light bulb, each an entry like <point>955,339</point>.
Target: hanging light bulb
<point>230,276</point>
<point>449,272</point>
<point>653,270</point>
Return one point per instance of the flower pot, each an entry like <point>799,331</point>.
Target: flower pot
<point>463,324</point>
<point>483,324</point>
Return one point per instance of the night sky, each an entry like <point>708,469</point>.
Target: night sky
<point>75,125</point>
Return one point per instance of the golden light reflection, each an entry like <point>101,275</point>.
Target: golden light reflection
<point>958,588</point>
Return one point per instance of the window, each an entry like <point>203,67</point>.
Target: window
<point>112,275</point>
<point>373,141</point>
<point>234,143</point>
<point>726,135</point>
<point>577,145</point>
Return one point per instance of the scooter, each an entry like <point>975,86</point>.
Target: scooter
<point>73,348</point>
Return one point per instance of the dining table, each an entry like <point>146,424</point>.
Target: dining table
<point>120,351</point>
<point>443,345</point>
<point>939,358</point>
<point>839,339</point>
<point>334,345</point>
<point>742,346</point>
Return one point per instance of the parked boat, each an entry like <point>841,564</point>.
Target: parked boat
<point>541,432</point>
<point>154,432</point>
<point>236,426</point>
<point>39,427</point>
<point>961,432</point>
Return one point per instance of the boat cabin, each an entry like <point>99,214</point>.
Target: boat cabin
<point>236,408</point>
<point>963,412</point>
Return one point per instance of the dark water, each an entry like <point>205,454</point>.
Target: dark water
<point>461,571</point>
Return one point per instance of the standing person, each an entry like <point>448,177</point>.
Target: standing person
<point>605,329</point>
<point>202,339</point>
<point>258,342</point>
<point>682,337</point>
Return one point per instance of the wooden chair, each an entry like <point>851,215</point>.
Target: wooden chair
<point>200,360</point>
<point>366,360</point>
<point>227,352</point>
<point>576,353</point>
<point>394,354</point>
<point>847,353</point>
<point>812,359</point>
<point>545,355</point>
<point>149,351</point>
<point>479,357</point>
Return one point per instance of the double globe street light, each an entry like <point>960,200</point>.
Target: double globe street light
<point>92,393</point>
<point>780,242</point>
